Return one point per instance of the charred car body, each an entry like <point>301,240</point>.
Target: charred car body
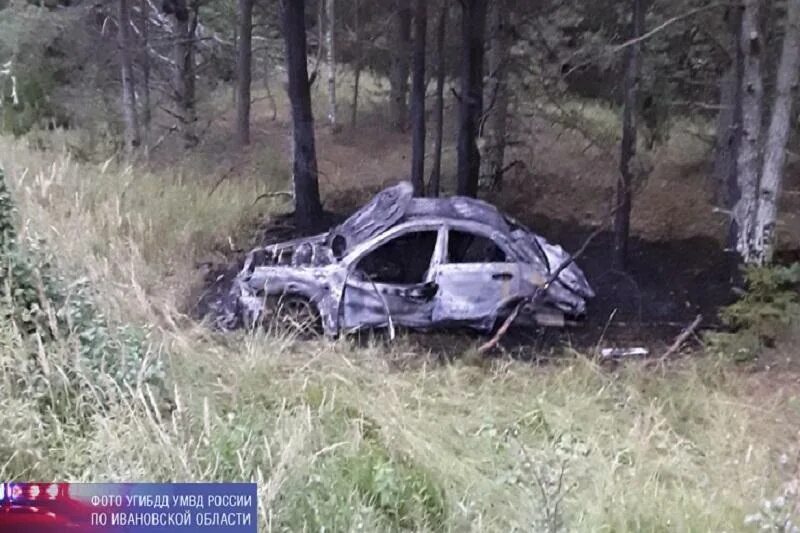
<point>414,262</point>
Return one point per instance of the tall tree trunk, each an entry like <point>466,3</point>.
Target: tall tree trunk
<point>748,164</point>
<point>184,29</point>
<point>473,25</point>
<point>267,88</point>
<point>495,129</point>
<point>356,83</point>
<point>320,40</point>
<point>235,75</point>
<point>726,135</point>
<point>129,114</point>
<point>144,8</point>
<point>729,128</point>
<point>622,217</point>
<point>308,209</point>
<point>358,64</point>
<point>330,44</point>
<point>398,75</point>
<point>436,171</point>
<point>418,100</point>
<point>244,71</point>
<point>777,137</point>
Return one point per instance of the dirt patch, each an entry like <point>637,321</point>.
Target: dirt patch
<point>665,285</point>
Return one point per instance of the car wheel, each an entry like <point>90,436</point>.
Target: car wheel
<point>296,315</point>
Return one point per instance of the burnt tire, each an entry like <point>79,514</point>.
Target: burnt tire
<point>295,315</point>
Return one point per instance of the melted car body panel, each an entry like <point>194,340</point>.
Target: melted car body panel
<point>414,262</point>
<point>370,302</point>
<point>474,292</point>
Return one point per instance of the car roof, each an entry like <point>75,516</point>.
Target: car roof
<point>397,204</point>
<point>457,208</point>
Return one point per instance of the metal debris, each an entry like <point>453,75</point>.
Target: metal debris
<point>614,353</point>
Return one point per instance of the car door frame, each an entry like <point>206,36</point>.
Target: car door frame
<point>380,296</point>
<point>452,309</point>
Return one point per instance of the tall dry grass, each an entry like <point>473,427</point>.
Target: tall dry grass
<point>348,436</point>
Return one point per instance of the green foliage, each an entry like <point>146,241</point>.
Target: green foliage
<point>45,55</point>
<point>51,314</point>
<point>7,212</point>
<point>770,305</point>
<point>363,486</point>
<point>33,104</point>
<point>390,494</point>
<point>403,492</point>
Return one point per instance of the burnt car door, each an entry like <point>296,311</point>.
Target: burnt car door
<point>479,274</point>
<point>391,277</point>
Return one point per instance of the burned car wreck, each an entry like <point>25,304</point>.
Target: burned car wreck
<point>419,263</point>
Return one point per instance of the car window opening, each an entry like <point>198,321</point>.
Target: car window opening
<point>464,247</point>
<point>404,260</point>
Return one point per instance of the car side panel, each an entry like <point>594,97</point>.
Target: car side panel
<point>371,304</point>
<point>368,304</point>
<point>474,292</point>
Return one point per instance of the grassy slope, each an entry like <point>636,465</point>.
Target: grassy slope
<point>375,436</point>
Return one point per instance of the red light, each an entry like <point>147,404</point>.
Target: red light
<point>52,491</point>
<point>34,491</point>
<point>16,491</point>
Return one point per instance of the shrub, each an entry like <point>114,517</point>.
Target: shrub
<point>769,306</point>
<point>70,350</point>
<point>402,491</point>
<point>366,489</point>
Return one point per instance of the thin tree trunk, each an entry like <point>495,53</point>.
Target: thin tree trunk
<point>235,88</point>
<point>726,132</point>
<point>777,137</point>
<point>622,217</point>
<point>320,41</point>
<point>473,25</point>
<point>144,8</point>
<point>436,171</point>
<point>330,44</point>
<point>129,114</point>
<point>729,130</point>
<point>748,162</point>
<point>356,82</point>
<point>244,71</point>
<point>495,130</point>
<point>418,100</point>
<point>358,63</point>
<point>184,28</point>
<point>398,75</point>
<point>308,209</point>
<point>272,103</point>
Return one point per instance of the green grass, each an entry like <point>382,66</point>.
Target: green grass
<point>343,436</point>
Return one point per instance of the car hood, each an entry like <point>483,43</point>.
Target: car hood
<point>306,251</point>
<point>550,257</point>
